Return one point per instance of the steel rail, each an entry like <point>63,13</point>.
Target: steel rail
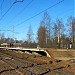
<point>18,67</point>
<point>21,60</point>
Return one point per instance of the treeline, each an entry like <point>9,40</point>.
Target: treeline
<point>57,34</point>
<point>16,43</point>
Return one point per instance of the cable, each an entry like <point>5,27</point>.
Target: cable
<point>9,9</point>
<point>40,12</point>
<point>20,11</point>
<point>19,1</point>
<point>59,14</point>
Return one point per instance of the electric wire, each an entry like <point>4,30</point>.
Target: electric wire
<point>19,0</point>
<point>40,12</point>
<point>20,12</point>
<point>64,14</point>
<point>9,9</point>
<point>35,14</point>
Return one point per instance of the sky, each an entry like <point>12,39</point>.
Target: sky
<point>19,15</point>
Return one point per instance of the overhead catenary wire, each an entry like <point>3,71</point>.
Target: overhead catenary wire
<point>40,12</point>
<point>63,14</point>
<point>9,9</point>
<point>20,12</point>
<point>19,0</point>
<point>13,31</point>
<point>9,31</point>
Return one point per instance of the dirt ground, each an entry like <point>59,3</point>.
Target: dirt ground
<point>61,60</point>
<point>66,57</point>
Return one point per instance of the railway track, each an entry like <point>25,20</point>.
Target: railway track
<point>28,67</point>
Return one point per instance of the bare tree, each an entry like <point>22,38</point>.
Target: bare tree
<point>42,35</point>
<point>71,23</point>
<point>2,38</point>
<point>54,44</point>
<point>46,20</point>
<point>55,30</point>
<point>58,30</point>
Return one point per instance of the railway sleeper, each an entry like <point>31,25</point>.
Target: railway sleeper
<point>23,64</point>
<point>38,70</point>
<point>32,71</point>
<point>6,70</point>
<point>24,70</point>
<point>59,72</point>
<point>59,68</point>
